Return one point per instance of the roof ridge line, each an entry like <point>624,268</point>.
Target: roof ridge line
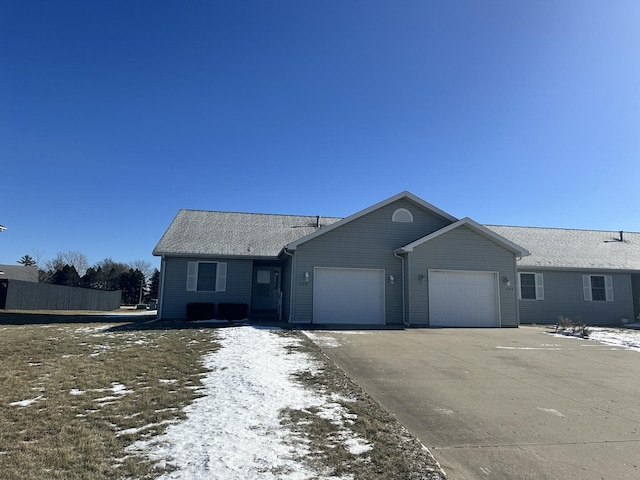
<point>561,228</point>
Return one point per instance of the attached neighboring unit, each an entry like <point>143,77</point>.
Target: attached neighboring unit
<point>400,261</point>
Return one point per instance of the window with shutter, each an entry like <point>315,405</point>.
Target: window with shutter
<point>206,276</point>
<point>531,286</point>
<point>597,288</point>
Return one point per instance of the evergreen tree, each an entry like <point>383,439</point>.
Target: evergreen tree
<point>130,283</point>
<point>27,261</point>
<point>67,276</point>
<point>154,284</point>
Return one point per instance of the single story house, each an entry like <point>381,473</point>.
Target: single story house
<point>400,261</point>
<point>19,272</point>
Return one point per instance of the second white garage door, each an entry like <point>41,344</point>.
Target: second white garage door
<point>463,299</point>
<point>349,296</point>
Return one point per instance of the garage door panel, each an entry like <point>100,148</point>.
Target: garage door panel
<point>463,299</point>
<point>349,296</point>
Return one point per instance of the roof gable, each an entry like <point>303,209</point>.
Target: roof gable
<point>476,227</point>
<point>402,195</point>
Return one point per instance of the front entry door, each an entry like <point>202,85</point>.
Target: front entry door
<point>266,290</point>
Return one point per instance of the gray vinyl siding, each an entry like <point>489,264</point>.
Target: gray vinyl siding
<point>366,242</point>
<point>635,289</point>
<point>563,296</point>
<point>176,296</point>
<point>286,287</point>
<point>462,249</point>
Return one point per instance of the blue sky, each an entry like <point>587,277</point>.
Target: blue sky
<point>115,114</point>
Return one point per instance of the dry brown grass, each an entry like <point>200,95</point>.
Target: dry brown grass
<point>395,453</point>
<point>96,389</point>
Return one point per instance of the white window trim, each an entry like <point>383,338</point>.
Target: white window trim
<point>539,283</point>
<point>402,215</point>
<point>608,287</point>
<point>192,276</point>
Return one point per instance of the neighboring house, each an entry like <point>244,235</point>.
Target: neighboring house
<point>400,261</point>
<point>587,275</point>
<point>19,272</point>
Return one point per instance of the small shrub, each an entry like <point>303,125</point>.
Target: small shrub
<point>200,311</point>
<point>232,311</point>
<point>564,323</point>
<point>578,328</point>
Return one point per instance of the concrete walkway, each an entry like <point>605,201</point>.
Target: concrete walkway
<point>503,403</point>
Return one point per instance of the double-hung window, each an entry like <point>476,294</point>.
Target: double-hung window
<point>531,286</point>
<point>597,288</point>
<point>206,276</point>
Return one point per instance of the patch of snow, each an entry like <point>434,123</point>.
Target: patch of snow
<point>234,432</point>
<point>444,411</point>
<point>552,411</point>
<point>132,431</point>
<point>26,403</point>
<point>322,340</point>
<point>75,391</point>
<point>614,336</point>
<point>119,389</point>
<point>619,337</point>
<point>356,446</point>
<point>116,388</point>
<point>168,380</point>
<point>528,348</point>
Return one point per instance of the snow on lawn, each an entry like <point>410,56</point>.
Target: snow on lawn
<point>616,336</point>
<point>234,431</point>
<point>26,403</point>
<point>613,336</point>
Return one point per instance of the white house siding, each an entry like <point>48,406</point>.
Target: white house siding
<point>175,295</point>
<point>563,296</point>
<point>367,242</point>
<point>465,250</point>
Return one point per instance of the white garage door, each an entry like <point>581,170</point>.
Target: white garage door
<point>463,299</point>
<point>349,296</point>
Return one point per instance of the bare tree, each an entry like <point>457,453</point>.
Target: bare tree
<point>37,255</point>
<point>72,258</point>
<point>143,266</point>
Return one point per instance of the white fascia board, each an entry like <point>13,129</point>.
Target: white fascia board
<point>408,195</point>
<point>475,226</point>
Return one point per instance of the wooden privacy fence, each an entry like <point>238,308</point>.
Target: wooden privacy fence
<point>19,295</point>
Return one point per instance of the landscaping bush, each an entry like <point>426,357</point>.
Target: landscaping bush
<point>200,311</point>
<point>232,311</point>
<point>567,326</point>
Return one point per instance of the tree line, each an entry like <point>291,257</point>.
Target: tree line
<point>137,280</point>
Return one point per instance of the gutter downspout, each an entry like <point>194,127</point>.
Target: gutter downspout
<point>404,316</point>
<point>291,289</point>
<point>161,293</point>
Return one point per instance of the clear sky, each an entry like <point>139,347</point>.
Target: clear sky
<point>115,114</point>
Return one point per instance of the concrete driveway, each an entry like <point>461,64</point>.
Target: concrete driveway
<point>503,403</point>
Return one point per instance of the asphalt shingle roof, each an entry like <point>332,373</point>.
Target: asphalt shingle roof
<point>19,272</point>
<point>584,249</point>
<point>199,232</point>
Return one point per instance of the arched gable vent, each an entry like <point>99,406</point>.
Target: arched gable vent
<point>402,215</point>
